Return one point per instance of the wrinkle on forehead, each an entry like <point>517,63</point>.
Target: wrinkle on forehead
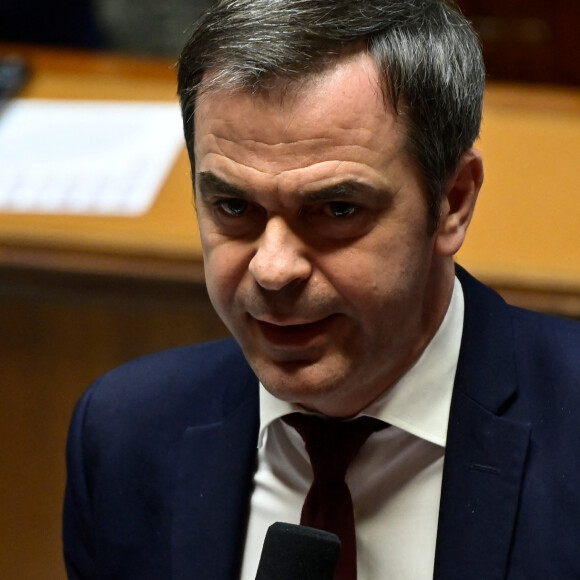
<point>321,145</point>
<point>305,125</point>
<point>278,158</point>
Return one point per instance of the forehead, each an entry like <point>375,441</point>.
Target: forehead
<point>336,116</point>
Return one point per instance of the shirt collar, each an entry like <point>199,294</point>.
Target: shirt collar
<point>420,400</point>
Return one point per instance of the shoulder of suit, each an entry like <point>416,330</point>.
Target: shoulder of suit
<point>552,341</point>
<point>173,385</point>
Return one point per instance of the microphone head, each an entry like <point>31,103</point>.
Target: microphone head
<point>294,552</point>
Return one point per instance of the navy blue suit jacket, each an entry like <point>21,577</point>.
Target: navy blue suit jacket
<point>162,452</point>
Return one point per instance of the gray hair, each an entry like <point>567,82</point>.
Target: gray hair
<point>428,55</point>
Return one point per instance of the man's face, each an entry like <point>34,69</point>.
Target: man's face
<point>314,229</point>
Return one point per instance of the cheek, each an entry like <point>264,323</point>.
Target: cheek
<point>359,283</point>
<point>225,266</point>
<point>378,281</point>
<point>368,271</point>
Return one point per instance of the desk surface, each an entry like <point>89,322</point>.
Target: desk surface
<point>524,239</point>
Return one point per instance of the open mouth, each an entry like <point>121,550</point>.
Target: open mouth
<point>294,334</point>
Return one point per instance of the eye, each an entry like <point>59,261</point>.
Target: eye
<point>341,209</point>
<point>232,206</point>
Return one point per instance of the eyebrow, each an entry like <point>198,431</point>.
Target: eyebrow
<point>343,191</point>
<point>209,181</point>
<point>349,189</point>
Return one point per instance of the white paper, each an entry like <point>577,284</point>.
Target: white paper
<point>85,157</point>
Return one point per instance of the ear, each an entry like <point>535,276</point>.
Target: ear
<point>458,204</point>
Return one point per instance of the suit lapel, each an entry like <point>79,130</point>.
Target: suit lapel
<point>484,463</point>
<point>485,452</point>
<point>212,494</point>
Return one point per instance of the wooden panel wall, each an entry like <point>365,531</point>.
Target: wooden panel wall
<point>528,40</point>
<point>57,334</point>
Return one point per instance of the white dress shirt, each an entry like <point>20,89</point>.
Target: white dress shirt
<point>395,480</point>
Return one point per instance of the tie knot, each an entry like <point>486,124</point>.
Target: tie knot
<point>332,444</point>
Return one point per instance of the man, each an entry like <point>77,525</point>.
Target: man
<point>335,178</point>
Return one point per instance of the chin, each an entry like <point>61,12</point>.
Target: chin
<point>312,387</point>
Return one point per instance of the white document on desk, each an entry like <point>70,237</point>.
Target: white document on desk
<point>85,157</point>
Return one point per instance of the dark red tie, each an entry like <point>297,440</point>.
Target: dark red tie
<point>332,445</point>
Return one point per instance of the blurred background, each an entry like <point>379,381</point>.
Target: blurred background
<point>130,26</point>
<point>523,40</point>
<point>67,316</point>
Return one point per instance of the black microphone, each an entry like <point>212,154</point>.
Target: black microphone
<point>293,552</point>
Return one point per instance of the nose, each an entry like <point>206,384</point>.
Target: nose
<point>279,259</point>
